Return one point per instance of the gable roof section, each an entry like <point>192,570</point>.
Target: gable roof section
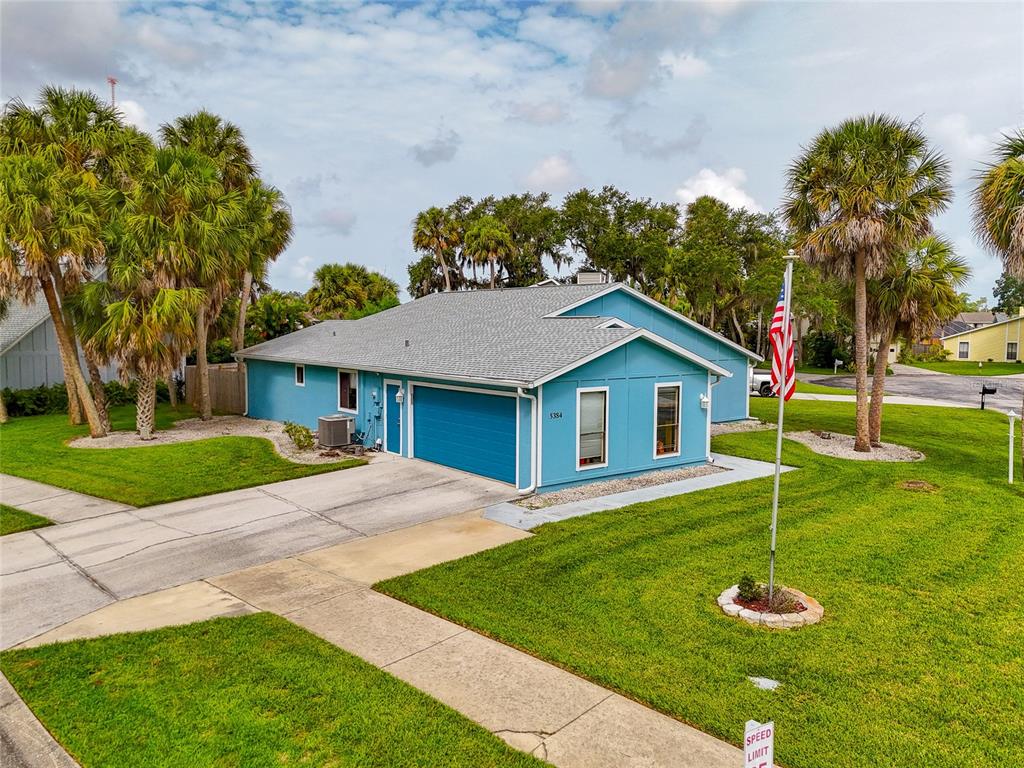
<point>982,328</point>
<point>606,289</point>
<point>21,320</point>
<point>500,337</point>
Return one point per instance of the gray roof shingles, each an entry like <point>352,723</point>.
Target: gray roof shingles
<point>500,336</point>
<point>21,319</point>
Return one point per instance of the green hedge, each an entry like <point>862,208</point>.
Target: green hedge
<point>42,400</point>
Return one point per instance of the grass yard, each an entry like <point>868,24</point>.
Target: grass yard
<point>14,520</point>
<point>34,448</point>
<point>810,388</point>
<point>918,660</point>
<point>967,368</point>
<point>249,691</point>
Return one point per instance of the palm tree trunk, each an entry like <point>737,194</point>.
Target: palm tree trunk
<point>739,329</point>
<point>72,371</point>
<point>172,390</point>
<point>3,408</point>
<point>238,340</point>
<point>493,260</point>
<point>145,406</point>
<point>862,441</point>
<point>444,270</point>
<point>202,367</point>
<point>99,392</point>
<point>878,388</point>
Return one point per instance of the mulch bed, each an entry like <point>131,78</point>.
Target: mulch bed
<point>791,605</point>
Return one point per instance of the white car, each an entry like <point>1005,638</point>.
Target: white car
<point>761,383</point>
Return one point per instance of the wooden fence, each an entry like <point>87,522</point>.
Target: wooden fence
<point>227,387</point>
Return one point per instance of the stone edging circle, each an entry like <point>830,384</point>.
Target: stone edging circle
<point>813,614</point>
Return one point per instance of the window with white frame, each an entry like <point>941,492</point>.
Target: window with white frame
<point>592,423</point>
<point>963,350</point>
<point>348,391</point>
<point>1011,350</point>
<point>666,419</point>
<point>300,375</point>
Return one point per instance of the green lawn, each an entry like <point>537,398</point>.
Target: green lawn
<point>811,388</point>
<point>967,368</point>
<point>814,369</point>
<point>34,447</point>
<point>249,691</point>
<point>918,661</point>
<point>16,520</point>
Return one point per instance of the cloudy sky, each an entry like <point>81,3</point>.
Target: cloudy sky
<point>366,114</point>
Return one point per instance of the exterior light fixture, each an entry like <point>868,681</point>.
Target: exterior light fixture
<point>705,401</point>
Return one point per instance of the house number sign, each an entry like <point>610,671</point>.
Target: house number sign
<point>555,415</point>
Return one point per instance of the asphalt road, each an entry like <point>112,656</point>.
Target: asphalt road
<point>956,389</point>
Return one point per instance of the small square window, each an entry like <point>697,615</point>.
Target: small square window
<point>300,375</point>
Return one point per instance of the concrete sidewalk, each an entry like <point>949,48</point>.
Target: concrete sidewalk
<point>57,504</point>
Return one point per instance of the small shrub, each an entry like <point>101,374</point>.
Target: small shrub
<point>750,590</point>
<point>300,435</point>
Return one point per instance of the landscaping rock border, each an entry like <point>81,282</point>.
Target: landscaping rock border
<point>727,602</point>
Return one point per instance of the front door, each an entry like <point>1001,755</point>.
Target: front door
<point>393,419</point>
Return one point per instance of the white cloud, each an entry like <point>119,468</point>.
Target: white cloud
<point>726,186</point>
<point>134,114</point>
<point>440,149</point>
<point>339,221</point>
<point>537,112</point>
<point>967,148</point>
<point>641,142</point>
<point>553,173</point>
<point>684,66</point>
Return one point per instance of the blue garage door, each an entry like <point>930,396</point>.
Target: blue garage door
<point>466,430</point>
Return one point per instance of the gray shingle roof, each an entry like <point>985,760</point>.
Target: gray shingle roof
<point>21,319</point>
<point>499,336</point>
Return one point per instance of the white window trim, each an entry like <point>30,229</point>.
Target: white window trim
<point>297,369</point>
<point>968,356</point>
<point>354,383</point>
<point>607,400</point>
<point>679,420</point>
<point>1016,356</point>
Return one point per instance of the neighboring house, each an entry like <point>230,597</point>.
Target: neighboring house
<point>29,356</point>
<point>1000,341</point>
<point>981,319</point>
<point>541,387</point>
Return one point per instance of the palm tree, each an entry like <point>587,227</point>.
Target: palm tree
<point>433,231</point>
<point>862,192</point>
<point>190,231</point>
<point>224,144</point>
<point>919,291</point>
<point>999,210</point>
<point>270,222</point>
<point>488,240</point>
<point>5,305</point>
<point>88,140</point>
<point>49,232</point>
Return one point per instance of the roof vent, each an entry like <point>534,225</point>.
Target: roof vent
<point>407,342</point>
<point>591,278</point>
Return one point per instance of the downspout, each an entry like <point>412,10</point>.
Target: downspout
<point>241,361</point>
<point>533,444</point>
<point>712,385</point>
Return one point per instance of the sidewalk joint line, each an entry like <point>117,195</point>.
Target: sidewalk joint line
<point>75,566</point>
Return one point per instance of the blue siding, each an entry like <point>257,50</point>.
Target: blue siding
<point>729,400</point>
<point>470,431</point>
<point>630,373</point>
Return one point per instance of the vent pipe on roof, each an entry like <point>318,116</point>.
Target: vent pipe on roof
<point>407,342</point>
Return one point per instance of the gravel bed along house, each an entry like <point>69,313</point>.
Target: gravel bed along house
<point>841,447</point>
<point>189,430</point>
<point>593,490</point>
<point>746,425</point>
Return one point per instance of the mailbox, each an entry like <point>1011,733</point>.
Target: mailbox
<point>986,389</point>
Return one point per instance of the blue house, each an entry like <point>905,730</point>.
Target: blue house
<point>542,387</point>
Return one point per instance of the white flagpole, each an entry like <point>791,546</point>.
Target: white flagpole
<point>786,316</point>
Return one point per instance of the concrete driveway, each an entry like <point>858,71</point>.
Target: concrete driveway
<point>52,575</point>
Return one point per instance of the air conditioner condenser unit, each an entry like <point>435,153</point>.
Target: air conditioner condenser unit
<point>335,431</point>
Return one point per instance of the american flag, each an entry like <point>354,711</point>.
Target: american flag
<point>783,367</point>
